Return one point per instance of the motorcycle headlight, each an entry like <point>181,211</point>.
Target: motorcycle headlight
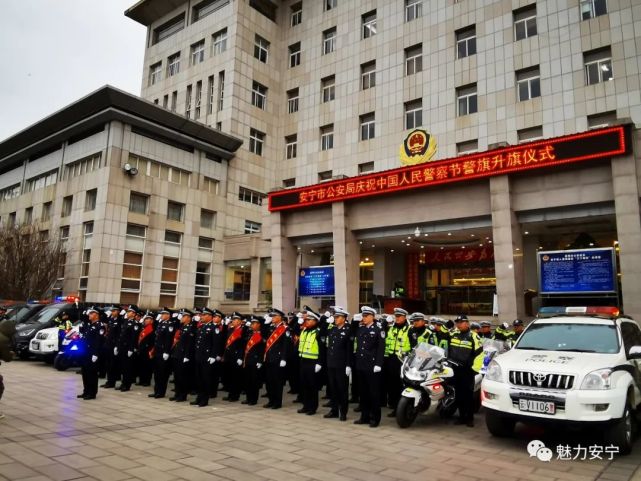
<point>414,374</point>
<point>494,372</point>
<point>27,333</point>
<point>599,379</point>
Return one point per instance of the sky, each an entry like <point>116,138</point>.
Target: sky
<point>56,51</point>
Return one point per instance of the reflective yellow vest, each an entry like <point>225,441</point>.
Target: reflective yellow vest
<point>397,341</point>
<point>308,345</point>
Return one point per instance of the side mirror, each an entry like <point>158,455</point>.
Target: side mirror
<point>635,352</point>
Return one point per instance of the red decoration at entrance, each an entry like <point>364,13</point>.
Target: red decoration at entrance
<point>411,274</point>
<point>472,255</point>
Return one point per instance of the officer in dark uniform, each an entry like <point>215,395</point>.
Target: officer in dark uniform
<point>466,352</point>
<point>111,347</point>
<point>93,339</point>
<point>277,349</point>
<point>353,332</point>
<point>340,354</point>
<point>218,349</point>
<point>503,333</point>
<point>517,328</point>
<point>165,331</point>
<point>203,357</point>
<point>233,357</point>
<point>294,323</point>
<point>127,342</point>
<point>146,341</point>
<point>253,361</point>
<point>370,350</point>
<point>182,355</point>
<point>419,332</point>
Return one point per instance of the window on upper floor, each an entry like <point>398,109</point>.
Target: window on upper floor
<point>466,100</point>
<point>256,141</point>
<point>368,75</point>
<point>413,9</point>
<point>259,95</point>
<point>598,66</point>
<point>207,7</point>
<point>528,83</point>
<point>169,28</point>
<point>467,147</point>
<point>10,192</point>
<point>173,64</point>
<point>252,227</point>
<point>266,8</point>
<point>525,22</point>
<point>294,55</point>
<point>219,42</point>
<point>327,137</point>
<point>368,126</point>
<point>329,4</point>
<point>414,59</point>
<point>251,196</point>
<point>326,175</point>
<point>529,134</point>
<point>292,101</point>
<point>155,73</point>
<point>413,114</point>
<point>261,48</point>
<point>67,203</point>
<point>368,22</point>
<point>593,8</point>
<point>291,146</point>
<point>603,119</point>
<point>328,88</point>
<point>296,15</point>
<point>466,42</point>
<point>287,183</point>
<point>82,166</point>
<point>90,199</point>
<point>175,211</point>
<point>207,219</point>
<point>329,40</point>
<point>138,203</point>
<point>41,181</point>
<point>198,52</point>
<point>365,167</point>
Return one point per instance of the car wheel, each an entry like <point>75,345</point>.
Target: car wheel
<point>499,426</point>
<point>24,355</point>
<point>621,433</point>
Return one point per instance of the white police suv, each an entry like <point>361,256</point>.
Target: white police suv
<point>571,366</point>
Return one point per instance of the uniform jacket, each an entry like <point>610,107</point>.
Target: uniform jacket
<point>278,344</point>
<point>370,347</point>
<point>186,345</point>
<point>165,331</point>
<point>340,347</point>
<point>466,349</point>
<point>209,342</point>
<point>113,331</point>
<point>128,339</point>
<point>93,338</point>
<point>254,349</point>
<point>235,345</point>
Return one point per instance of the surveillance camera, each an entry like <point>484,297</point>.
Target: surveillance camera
<point>127,167</point>
<point>133,171</point>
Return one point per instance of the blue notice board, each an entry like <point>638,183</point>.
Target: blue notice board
<point>580,271</point>
<point>316,281</point>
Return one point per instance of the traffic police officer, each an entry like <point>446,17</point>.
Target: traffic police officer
<point>419,332</point>
<point>370,350</point>
<point>127,342</point>
<point>311,353</point>
<point>111,347</point>
<point>441,336</point>
<point>277,350</point>
<point>467,353</point>
<point>93,338</point>
<point>233,358</point>
<point>340,350</point>
<point>503,333</point>
<point>486,330</point>
<point>396,343</point>
<point>253,361</point>
<point>518,327</point>
<point>182,356</point>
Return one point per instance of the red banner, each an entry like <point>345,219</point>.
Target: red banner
<point>458,255</point>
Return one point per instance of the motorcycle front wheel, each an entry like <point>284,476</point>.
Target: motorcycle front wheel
<point>61,363</point>
<point>405,412</point>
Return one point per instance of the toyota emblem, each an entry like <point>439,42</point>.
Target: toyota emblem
<point>539,378</point>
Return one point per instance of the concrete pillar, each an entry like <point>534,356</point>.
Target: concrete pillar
<point>508,250</point>
<point>254,285</point>
<point>626,205</point>
<point>347,257</point>
<point>284,268</point>
<point>382,275</point>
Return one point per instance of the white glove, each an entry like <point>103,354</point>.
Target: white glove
<point>211,360</point>
<point>115,351</point>
<point>123,312</point>
<point>358,317</point>
<point>239,362</point>
<point>330,320</point>
<point>165,356</point>
<point>185,359</point>
<point>377,368</point>
<point>348,371</point>
<point>258,365</point>
<point>94,358</point>
<point>129,353</point>
<point>390,318</point>
<point>301,320</point>
<point>197,318</point>
<point>218,358</point>
<point>327,314</point>
<point>283,363</point>
<point>268,320</point>
<point>300,315</point>
<point>317,367</point>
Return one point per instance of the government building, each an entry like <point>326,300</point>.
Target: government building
<point>446,156</point>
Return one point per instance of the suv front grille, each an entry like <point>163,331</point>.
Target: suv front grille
<point>537,379</point>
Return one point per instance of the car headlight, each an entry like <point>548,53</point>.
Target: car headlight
<point>53,336</point>
<point>494,372</point>
<point>27,333</point>
<point>599,379</point>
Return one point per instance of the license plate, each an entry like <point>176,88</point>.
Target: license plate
<point>543,407</point>
<point>36,345</point>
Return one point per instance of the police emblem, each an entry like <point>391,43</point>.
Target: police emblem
<point>418,147</point>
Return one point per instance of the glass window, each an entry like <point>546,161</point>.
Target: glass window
<point>205,243</point>
<point>368,75</point>
<point>252,227</point>
<point>175,211</point>
<point>530,134</point>
<point>155,73</point>
<point>329,4</point>
<point>90,199</point>
<point>169,28</point>
<point>237,280</point>
<point>598,66</point>
<point>326,175</point>
<point>259,95</point>
<point>327,137</point>
<point>46,211</point>
<point>206,8</point>
<point>173,65</point>
<point>413,114</point>
<point>573,337</point>
<point>296,16</point>
<point>414,59</point>
<point>525,22</point>
<point>294,55</point>
<point>366,167</point>
<point>413,9</point>
<point>368,126</point>
<point>67,203</point>
<point>198,52</point>
<point>261,49</point>
<point>207,219</point>
<point>602,119</point>
<point>466,100</point>
<point>466,42</point>
<point>138,203</point>
<point>292,101</point>
<point>251,196</point>
<point>329,40</point>
<point>287,183</point>
<point>202,281</point>
<point>368,22</point>
<point>328,88</point>
<point>256,141</point>
<point>467,147</point>
<point>28,215</point>
<point>169,275</point>
<point>528,83</point>
<point>219,44</point>
<point>172,237</point>
<point>291,143</point>
<point>593,8</point>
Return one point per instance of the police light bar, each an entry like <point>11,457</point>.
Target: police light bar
<point>600,311</point>
<point>71,299</point>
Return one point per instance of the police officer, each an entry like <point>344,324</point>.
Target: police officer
<point>486,330</point>
<point>182,355</point>
<point>127,341</point>
<point>311,352</point>
<point>419,332</point>
<point>204,357</point>
<point>466,352</point>
<point>441,336</point>
<point>233,357</point>
<point>370,350</point>
<point>165,331</point>
<point>64,326</point>
<point>518,327</point>
<point>503,333</point>
<point>295,325</point>
<point>396,343</point>
<point>353,332</point>
<point>340,352</point>
<point>253,361</point>
<point>277,349</point>
<point>475,327</point>
<point>93,338</point>
<point>146,340</point>
<point>218,350</point>
<point>111,347</point>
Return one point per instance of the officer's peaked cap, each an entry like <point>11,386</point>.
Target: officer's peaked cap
<point>417,316</point>
<point>276,312</point>
<point>368,310</point>
<point>400,312</point>
<point>339,311</point>
<point>236,315</point>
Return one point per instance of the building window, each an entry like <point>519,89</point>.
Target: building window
<point>296,16</point>
<point>287,183</point>
<point>64,233</point>
<point>43,236</point>
<point>256,141</point>
<point>292,101</point>
<point>466,100</point>
<point>327,137</point>
<point>414,59</point>
<point>206,8</point>
<point>252,227</point>
<point>368,22</point>
<point>221,89</point>
<point>12,220</point>
<point>368,75</point>
<point>466,42</point>
<point>294,55</point>
<point>603,119</point>
<point>169,28</point>
<point>138,203</point>
<point>328,88</point>
<point>172,237</point>
<point>211,185</point>
<point>219,43</point>
<point>366,167</point>
<point>67,203</point>
<point>528,83</point>
<point>467,147</point>
<point>237,280</point>
<point>530,134</point>
<point>28,215</point>
<point>326,175</point>
<point>261,48</point>
<point>525,22</point>
<point>173,65</point>
<point>199,96</point>
<point>90,199</point>
<point>291,142</point>
<point>46,211</point>
<point>169,275</point>
<point>368,126</point>
<point>330,4</point>
<point>84,269</point>
<point>210,94</point>
<point>259,95</point>
<point>175,211</point>
<point>160,171</point>
<point>155,73</point>
<point>41,181</point>
<point>198,52</point>
<point>593,8</point>
<point>10,192</point>
<point>251,196</point>
<point>207,219</point>
<point>413,9</point>
<point>165,101</point>
<point>329,40</point>
<point>201,284</point>
<point>87,231</point>
<point>598,66</point>
<point>174,100</point>
<point>205,244</point>
<point>131,273</point>
<point>413,114</point>
<point>82,166</point>
<point>188,102</point>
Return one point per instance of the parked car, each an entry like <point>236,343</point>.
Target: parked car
<point>44,320</point>
<point>20,313</point>
<point>44,345</point>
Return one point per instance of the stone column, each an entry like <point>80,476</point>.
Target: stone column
<point>508,251</point>
<point>628,216</point>
<point>284,270</point>
<point>347,257</point>
<point>254,285</point>
<point>382,275</point>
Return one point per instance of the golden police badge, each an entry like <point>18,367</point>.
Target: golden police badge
<point>418,147</point>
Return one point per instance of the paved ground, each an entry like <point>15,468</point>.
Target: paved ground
<point>50,435</point>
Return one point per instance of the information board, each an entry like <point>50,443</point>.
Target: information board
<point>579,271</point>
<point>316,281</point>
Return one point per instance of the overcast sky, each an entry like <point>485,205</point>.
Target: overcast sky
<point>56,51</point>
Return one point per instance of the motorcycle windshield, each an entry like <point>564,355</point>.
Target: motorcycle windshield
<point>495,345</point>
<point>425,356</point>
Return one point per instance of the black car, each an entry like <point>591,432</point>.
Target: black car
<point>43,320</point>
<point>20,313</point>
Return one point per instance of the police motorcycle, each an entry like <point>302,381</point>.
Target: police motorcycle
<point>491,349</point>
<point>72,350</point>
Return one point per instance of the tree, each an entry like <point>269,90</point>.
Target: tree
<point>29,262</point>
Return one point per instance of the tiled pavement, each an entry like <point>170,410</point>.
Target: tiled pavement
<point>50,435</point>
